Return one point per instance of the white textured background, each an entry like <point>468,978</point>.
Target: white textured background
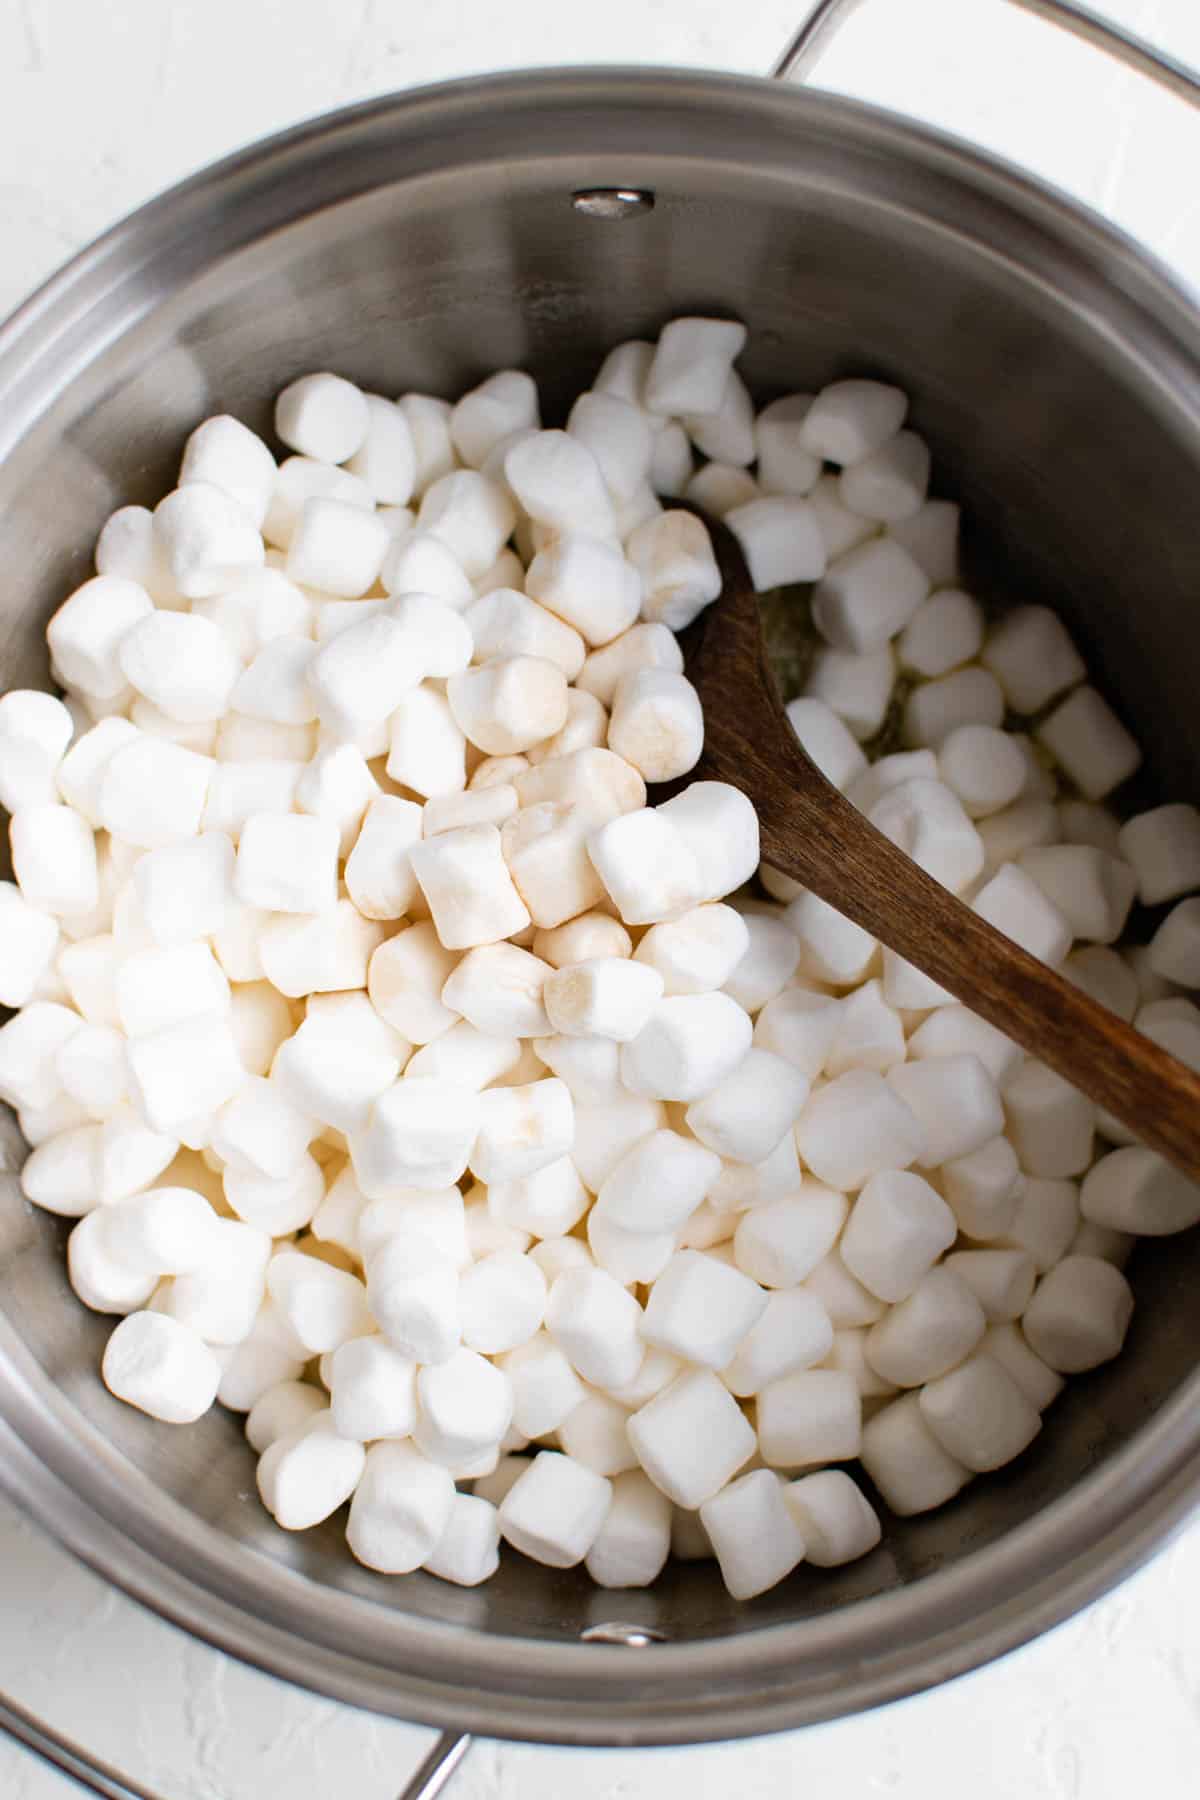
<point>103,103</point>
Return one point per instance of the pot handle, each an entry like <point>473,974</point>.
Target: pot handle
<point>826,18</point>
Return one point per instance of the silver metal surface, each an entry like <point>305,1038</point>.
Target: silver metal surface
<point>421,241</point>
<point>612,203</point>
<point>827,17</point>
<point>70,1759</point>
<point>438,1768</point>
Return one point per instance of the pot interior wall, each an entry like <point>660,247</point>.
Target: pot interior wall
<point>1078,468</point>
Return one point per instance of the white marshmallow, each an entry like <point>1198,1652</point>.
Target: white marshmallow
<point>692,363</point>
<point>590,1066</point>
<point>86,633</point>
<point>1005,1345</point>
<point>184,1072</point>
<point>35,730</point>
<point>850,419</point>
<point>888,484</point>
<point>1092,890</point>
<point>545,847</point>
<point>239,789</point>
<point>696,952</point>
<point>719,825</point>
<point>498,988</point>
<point>274,685</point>
<point>300,479</point>
<point>185,891</point>
<point>848,1303</point>
<point>280,1411</point>
<point>647,866</point>
<point>628,1256</point>
<point>334,1083</point>
<point>241,739</point>
<point>927,821</point>
<point>464,1054</point>
<point>464,1407</point>
<point>673,555</point>
<point>935,709</point>
<point>657,723</point>
<point>337,547</point>
<point>205,539</point>
<point>691,1042</point>
<point>555,1510</point>
<point>545,1388</point>
<point>152,793</point>
<point>619,437</point>
<point>100,1279</point>
<point>857,1126</point>
<point>509,704</point>
<point>898,1228</point>
<point>744,1115</point>
<point>429,422</point>
<point>945,632</point>
<point>161,1367</point>
<point>54,859</point>
<point>799,1026</point>
<point>405,981</point>
<point>867,596</point>
<point>1103,974</point>
<point>1033,658</point>
<point>927,1333</point>
<point>955,1031</point>
<point>438,1215</point>
<point>609,997</point>
<point>30,1043</point>
<point>127,1156</point>
<point>594,1433</point>
<point>60,1173</point>
<point>726,435</point>
<point>1115,1247</point>
<point>1090,744</point>
<point>419,1133</point>
<point>559,483</point>
<point>417,562</point>
<point>1014,903</point>
<point>1174,952</point>
<point>1133,1190</point>
<point>692,1438</point>
<point>832,948</point>
<point>810,1416</point>
<point>220,1300</point>
<point>826,741</point>
<point>546,1204</point>
<point>304,1478</point>
<point>635,1539</point>
<point>1079,1315</point>
<point>793,1332</point>
<point>718,487</point>
<point>287,863</point>
<point>501,1299</point>
<point>755,1534</point>
<point>955,1102</point>
<point>1046,1221</point>
<point>781,1242</point>
<point>521,1130</point>
<point>983,766</point>
<point>701,1310</point>
<point>127,547</point>
<point>588,584</point>
<point>646,646</point>
<point>386,458</point>
<point>29,941</point>
<point>585,938</point>
<point>468,888</point>
<point>412,1287</point>
<point>1050,1123</point>
<point>983,1189</point>
<point>836,1520</point>
<point>1001,1280</point>
<point>372,1390</point>
<point>278,1204</point>
<point>262,1131</point>
<point>324,1306</point>
<point>506,402</point>
<point>870,1031</point>
<point>322,416</point>
<point>907,1463</point>
<point>780,538</point>
<point>1163,848</point>
<point>586,728</point>
<point>840,530</point>
<point>318,953</point>
<point>467,1552</point>
<point>507,623</point>
<point>486,806</point>
<point>596,1324</point>
<point>785,465</point>
<point>857,688</point>
<point>93,1070</point>
<point>428,749</point>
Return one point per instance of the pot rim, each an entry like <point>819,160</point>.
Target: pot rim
<point>66,1474</point>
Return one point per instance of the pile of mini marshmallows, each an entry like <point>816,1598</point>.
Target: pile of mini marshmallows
<point>470,1124</point>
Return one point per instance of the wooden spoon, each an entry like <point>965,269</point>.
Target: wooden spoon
<point>812,833</point>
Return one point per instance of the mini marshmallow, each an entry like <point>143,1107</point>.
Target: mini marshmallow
<point>691,1042</point>
<point>463,1054</point>
<point>126,1156</point>
<point>555,1510</point>
<point>618,435</point>
<point>322,416</point>
<point>93,1070</point>
<point>588,584</point>
<point>905,988</point>
<point>1046,1221</point>
<point>281,1411</point>
<point>428,749</point>
<point>547,1203</point>
<point>628,1256</point>
<point>1001,1280</point>
<point>907,1463</point>
<point>464,1406</point>
<point>927,821</point>
<point>586,728</point>
<point>1092,890</point>
<point>635,1539</point>
<point>501,1300</point>
<point>657,723</point>
<point>545,1388</point>
<point>101,1279</point>
<point>856,687</point>
<point>857,1126</point>
<point>935,709</point>
<point>888,484</point>
<point>692,1438</point>
<point>507,623</point>
<point>510,703</point>
<point>980,1414</point>
<point>184,1072</point>
<point>955,1102</point>
<point>274,686</point>
<point>261,1131</point>
<point>205,539</point>
<point>35,730</point>
<point>782,1241</point>
<point>590,1066</point>
<point>605,1131</point>
<point>1005,1345</point>
<point>836,1521</point>
<point>521,1130</point>
<point>1090,744</point>
<point>86,633</point>
<point>1133,1190</point>
<point>325,1307</point>
<point>691,366</point>
<point>419,1133</point>
<point>647,866</point>
<point>645,646</point>
<point>153,793</point>
<point>437,1215</point>
<point>1050,1123</point>
<point>594,1433</point>
<point>585,938</point>
<point>850,419</point>
<point>768,963</point>
<point>386,459</point>
<point>1079,1315</point>
<point>983,766</point>
<point>1115,1247</point>
<point>744,1115</point>
<point>185,891</point>
<point>60,1173</point>
<point>810,1416</point>
<point>595,1323</point>
<point>417,562</point>
<point>54,859</point>
<point>465,880</point>
<point>498,988</point>
<point>609,997</point>
<point>781,540</point>
<point>429,423</point>
<point>673,555</point>
<point>867,596</point>
<point>983,1189</point>
<point>545,847</point>
<point>337,1089</point>
<point>1014,903</point>
<point>318,953</point>
<point>29,941</point>
<point>182,664</point>
<point>792,1332</point>
<point>127,547</point>
<point>799,1026</point>
<point>1033,658</point>
<point>945,632</point>
<point>719,826</point>
<point>755,1534</point>
<point>701,1310</point>
<point>898,1228</point>
<point>785,465</point>
<point>161,1367</point>
<point>468,1550</point>
<point>220,1300</point>
<point>402,1507</point>
<point>1163,848</point>
<point>826,741</point>
<point>558,482</point>
<point>337,548</point>
<point>239,789</point>
<point>927,1333</point>
<point>832,948</point>
<point>725,435</point>
<point>1104,975</point>
<point>954,1030</point>
<point>718,487</point>
<point>241,739</point>
<point>372,1390</point>
<point>412,1288</point>
<point>1174,951</point>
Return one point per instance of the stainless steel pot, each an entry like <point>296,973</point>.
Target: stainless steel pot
<point>421,241</point>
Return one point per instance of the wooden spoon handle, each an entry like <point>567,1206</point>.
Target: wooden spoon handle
<point>825,843</point>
